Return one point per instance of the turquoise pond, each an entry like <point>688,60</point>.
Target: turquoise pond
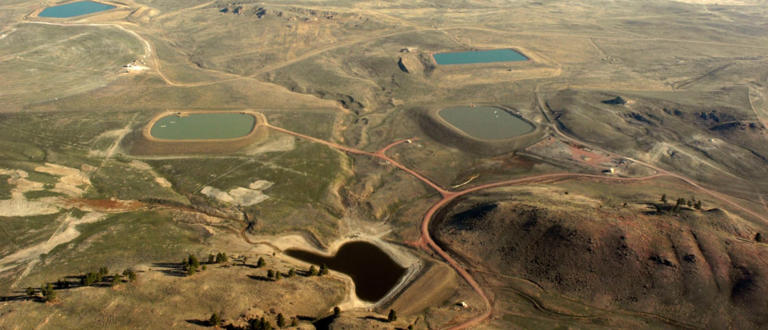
<point>75,9</point>
<point>479,56</point>
<point>487,123</point>
<point>203,126</point>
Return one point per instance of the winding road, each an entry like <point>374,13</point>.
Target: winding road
<point>426,241</point>
<point>448,196</point>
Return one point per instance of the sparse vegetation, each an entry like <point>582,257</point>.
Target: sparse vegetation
<point>691,104</point>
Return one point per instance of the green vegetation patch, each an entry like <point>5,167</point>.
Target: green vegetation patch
<point>117,242</point>
<point>31,195</point>
<point>5,187</point>
<point>62,138</point>
<point>17,233</point>
<point>122,181</point>
<point>300,175</point>
<point>42,177</point>
<point>316,124</point>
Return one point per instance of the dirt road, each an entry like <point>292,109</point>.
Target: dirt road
<point>448,196</point>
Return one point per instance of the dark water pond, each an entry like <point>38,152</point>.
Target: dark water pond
<point>372,270</point>
<point>480,56</point>
<point>488,123</point>
<point>75,9</point>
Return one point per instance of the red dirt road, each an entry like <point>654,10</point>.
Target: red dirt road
<point>448,196</point>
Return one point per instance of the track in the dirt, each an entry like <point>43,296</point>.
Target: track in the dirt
<point>448,196</point>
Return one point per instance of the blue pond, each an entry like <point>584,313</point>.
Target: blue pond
<point>74,9</point>
<point>480,56</point>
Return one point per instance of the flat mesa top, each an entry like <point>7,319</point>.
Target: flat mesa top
<point>74,9</point>
<point>203,126</point>
<point>479,56</point>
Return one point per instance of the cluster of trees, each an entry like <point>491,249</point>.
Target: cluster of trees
<point>255,324</point>
<point>679,204</point>
<point>191,265</point>
<point>100,276</point>
<point>263,324</point>
<point>314,272</point>
<point>219,258</point>
<point>275,275</point>
<point>48,290</point>
<point>92,278</point>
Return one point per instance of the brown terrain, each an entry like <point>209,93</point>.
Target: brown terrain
<point>563,227</point>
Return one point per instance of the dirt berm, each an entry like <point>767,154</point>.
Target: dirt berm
<point>700,268</point>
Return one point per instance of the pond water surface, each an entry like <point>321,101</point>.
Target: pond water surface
<point>372,270</point>
<point>479,56</point>
<point>203,126</point>
<point>74,9</point>
<point>487,123</point>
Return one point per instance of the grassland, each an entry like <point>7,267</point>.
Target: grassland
<point>692,73</point>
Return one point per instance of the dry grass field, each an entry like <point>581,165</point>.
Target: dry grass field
<point>561,228</point>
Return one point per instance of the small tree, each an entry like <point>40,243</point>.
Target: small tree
<point>278,276</point>
<point>323,270</point>
<point>697,205</point>
<point>90,278</point>
<point>312,271</point>
<point>291,272</point>
<point>117,279</point>
<point>270,273</point>
<point>260,263</point>
<point>30,291</point>
<point>259,324</point>
<point>48,293</point>
<point>103,271</point>
<point>215,320</point>
<point>280,320</point>
<point>336,311</point>
<point>664,198</point>
<point>245,259</point>
<point>192,261</point>
<point>678,204</point>
<point>130,274</point>
<point>211,258</point>
<point>221,257</point>
<point>392,316</point>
